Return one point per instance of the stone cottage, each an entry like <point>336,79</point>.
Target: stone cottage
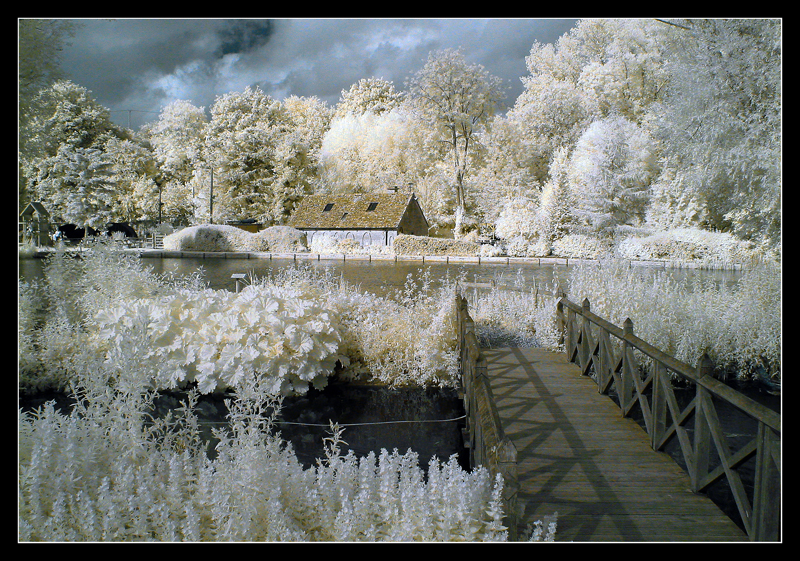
<point>368,218</point>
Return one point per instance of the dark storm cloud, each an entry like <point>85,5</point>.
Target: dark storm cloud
<point>239,36</point>
<point>142,65</point>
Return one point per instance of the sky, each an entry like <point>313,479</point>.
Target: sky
<point>134,67</point>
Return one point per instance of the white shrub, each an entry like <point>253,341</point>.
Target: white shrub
<point>518,247</point>
<point>215,337</point>
<point>689,244</point>
<point>518,218</point>
<point>581,246</point>
<point>222,237</point>
<point>489,250</point>
<point>423,245</point>
<point>406,338</point>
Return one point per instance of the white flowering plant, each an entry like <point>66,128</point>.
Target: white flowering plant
<point>101,474</point>
<point>405,338</point>
<point>215,337</point>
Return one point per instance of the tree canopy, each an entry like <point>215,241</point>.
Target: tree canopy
<point>624,126</point>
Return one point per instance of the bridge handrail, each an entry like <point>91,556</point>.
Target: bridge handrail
<point>488,444</point>
<point>762,518</point>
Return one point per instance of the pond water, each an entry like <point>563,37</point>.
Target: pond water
<point>427,421</point>
<point>380,277</point>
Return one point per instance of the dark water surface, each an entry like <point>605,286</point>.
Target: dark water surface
<point>427,421</point>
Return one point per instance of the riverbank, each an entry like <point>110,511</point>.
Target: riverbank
<point>447,259</point>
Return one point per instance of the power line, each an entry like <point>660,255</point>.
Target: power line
<point>348,424</point>
<point>129,111</point>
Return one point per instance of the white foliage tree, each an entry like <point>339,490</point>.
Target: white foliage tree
<point>601,68</point>
<point>611,169</point>
<point>298,166</point>
<point>261,160</point>
<point>556,209</point>
<point>375,151</point>
<point>505,170</point>
<point>66,138</point>
<point>550,113</point>
<point>721,126</point>
<point>41,42</point>
<point>134,172</point>
<point>77,187</point>
<point>177,141</point>
<point>369,95</point>
<point>458,99</point>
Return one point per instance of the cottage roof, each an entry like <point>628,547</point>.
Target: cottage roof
<point>358,211</point>
<point>35,207</point>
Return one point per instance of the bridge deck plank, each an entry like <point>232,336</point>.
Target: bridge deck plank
<point>579,457</point>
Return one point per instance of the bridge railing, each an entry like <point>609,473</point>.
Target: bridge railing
<point>588,342</point>
<point>487,442</point>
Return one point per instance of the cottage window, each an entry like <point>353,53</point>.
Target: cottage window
<point>327,207</point>
<point>372,206</point>
<point>344,216</point>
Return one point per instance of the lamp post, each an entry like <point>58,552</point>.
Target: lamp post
<point>211,199</point>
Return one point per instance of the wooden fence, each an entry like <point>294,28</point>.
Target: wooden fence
<point>487,442</point>
<point>588,342</point>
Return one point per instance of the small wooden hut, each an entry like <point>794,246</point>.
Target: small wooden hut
<point>35,225</point>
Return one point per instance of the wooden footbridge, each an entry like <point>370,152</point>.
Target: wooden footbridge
<point>545,420</point>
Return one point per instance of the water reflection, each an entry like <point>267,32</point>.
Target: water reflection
<point>427,421</point>
<point>380,277</point>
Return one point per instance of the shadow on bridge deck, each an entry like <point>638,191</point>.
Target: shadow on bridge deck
<point>579,457</point>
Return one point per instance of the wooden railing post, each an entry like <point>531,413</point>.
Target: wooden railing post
<point>561,320</point>
<point>659,404</point>
<point>585,337</point>
<point>506,455</point>
<point>628,367</point>
<point>702,434</point>
<point>766,519</point>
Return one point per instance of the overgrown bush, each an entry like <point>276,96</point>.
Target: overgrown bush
<point>221,237</point>
<point>581,246</point>
<point>74,289</point>
<point>405,338</point>
<point>423,245</point>
<point>215,337</point>
<point>685,244</point>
